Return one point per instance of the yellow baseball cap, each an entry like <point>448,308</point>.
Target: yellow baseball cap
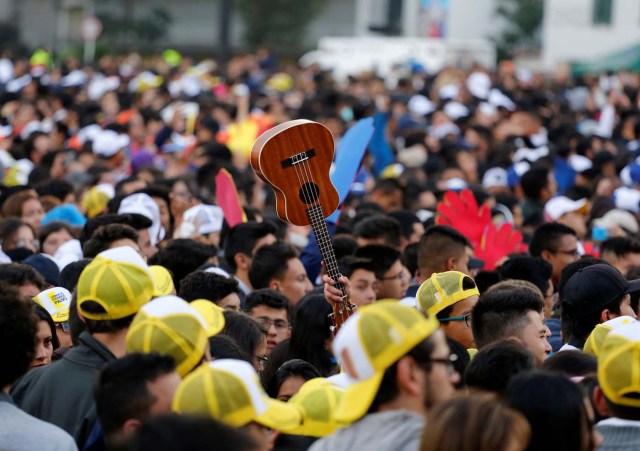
<point>444,289</point>
<point>317,401</point>
<point>619,365</point>
<point>119,280</point>
<point>96,199</point>
<point>594,342</point>
<point>229,391</point>
<point>169,325</point>
<point>212,314</point>
<point>369,342</point>
<point>56,301</point>
<point>163,282</point>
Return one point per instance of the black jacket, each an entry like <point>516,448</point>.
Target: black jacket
<point>62,392</point>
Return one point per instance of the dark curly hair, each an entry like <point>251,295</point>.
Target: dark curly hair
<point>18,327</point>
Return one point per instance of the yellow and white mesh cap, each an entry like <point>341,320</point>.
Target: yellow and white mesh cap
<point>619,365</point>
<point>369,342</point>
<point>169,325</point>
<point>444,289</point>
<point>56,301</point>
<point>317,400</point>
<point>229,391</point>
<point>594,342</point>
<point>212,314</point>
<point>163,282</point>
<point>119,280</point>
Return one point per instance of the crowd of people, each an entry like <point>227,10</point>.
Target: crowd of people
<point>151,298</point>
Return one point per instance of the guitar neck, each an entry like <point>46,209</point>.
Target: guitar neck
<point>316,215</point>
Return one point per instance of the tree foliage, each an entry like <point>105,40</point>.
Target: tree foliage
<point>523,23</point>
<point>125,30</point>
<point>278,23</point>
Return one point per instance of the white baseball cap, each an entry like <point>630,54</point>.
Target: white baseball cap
<point>143,204</point>
<point>558,206</point>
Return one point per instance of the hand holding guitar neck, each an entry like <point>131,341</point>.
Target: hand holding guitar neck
<point>334,294</point>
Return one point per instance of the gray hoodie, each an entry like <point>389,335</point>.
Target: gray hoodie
<point>397,430</point>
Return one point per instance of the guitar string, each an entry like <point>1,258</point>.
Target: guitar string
<point>319,216</point>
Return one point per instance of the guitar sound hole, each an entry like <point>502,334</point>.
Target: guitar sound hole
<point>309,193</point>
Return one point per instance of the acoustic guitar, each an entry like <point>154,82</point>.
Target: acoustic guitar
<point>294,158</point>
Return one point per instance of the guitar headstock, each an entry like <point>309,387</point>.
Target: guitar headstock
<point>341,313</point>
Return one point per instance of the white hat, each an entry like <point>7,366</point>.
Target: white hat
<point>219,271</point>
<point>143,204</point>
<point>455,110</point>
<point>449,91</point>
<point>444,129</point>
<point>555,208</point>
<point>618,218</point>
<point>107,143</point>
<point>495,177</point>
<point>99,86</point>
<point>498,99</point>
<point>479,84</point>
<point>56,302</point>
<point>420,105</point>
<point>76,77</point>
<point>579,163</point>
<point>530,155</point>
<point>456,183</point>
<point>207,218</point>
<point>627,199</point>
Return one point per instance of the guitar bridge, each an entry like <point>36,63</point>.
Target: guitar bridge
<point>298,158</point>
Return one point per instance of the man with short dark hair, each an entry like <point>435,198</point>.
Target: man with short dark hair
<point>622,253</point>
<point>361,273</point>
<point>278,267</point>
<point>18,329</point>
<point>378,229</point>
<point>222,291</point>
<point>131,389</point>
<point>591,296</point>
<point>271,309</point>
<point>111,289</point>
<point>538,186</point>
<point>108,236</point>
<point>399,366</point>
<point>441,249</point>
<point>557,244</point>
<point>508,311</point>
<point>392,277</point>
<point>241,242</point>
<point>24,278</point>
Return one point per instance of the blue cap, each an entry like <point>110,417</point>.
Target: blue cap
<point>68,213</point>
<point>45,266</point>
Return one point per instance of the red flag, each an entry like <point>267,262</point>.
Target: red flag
<point>228,200</point>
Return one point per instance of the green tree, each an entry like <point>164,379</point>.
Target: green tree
<point>122,30</point>
<point>278,23</point>
<point>523,23</point>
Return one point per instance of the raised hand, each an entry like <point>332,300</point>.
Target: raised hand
<point>461,212</point>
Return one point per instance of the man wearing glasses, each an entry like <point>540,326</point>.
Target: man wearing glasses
<point>398,367</point>
<point>450,296</point>
<point>557,244</point>
<point>271,309</point>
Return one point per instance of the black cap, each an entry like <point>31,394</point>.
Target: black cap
<point>594,287</point>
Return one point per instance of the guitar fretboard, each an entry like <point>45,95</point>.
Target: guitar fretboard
<point>316,215</point>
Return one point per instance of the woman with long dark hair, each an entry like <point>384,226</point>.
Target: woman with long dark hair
<point>311,335</point>
<point>46,338</point>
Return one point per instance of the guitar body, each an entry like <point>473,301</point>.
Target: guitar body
<point>295,158</point>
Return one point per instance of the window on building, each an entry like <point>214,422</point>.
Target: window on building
<point>602,10</point>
